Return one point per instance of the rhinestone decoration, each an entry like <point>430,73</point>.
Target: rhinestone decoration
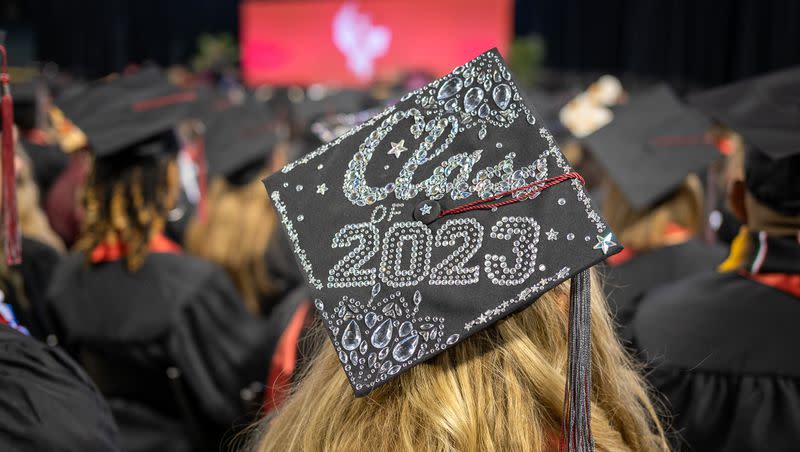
<point>425,209</point>
<point>379,337</point>
<point>605,242</point>
<point>414,238</point>
<point>552,235</point>
<point>294,240</point>
<point>452,271</point>
<point>398,148</point>
<point>322,188</point>
<point>348,271</point>
<point>525,231</point>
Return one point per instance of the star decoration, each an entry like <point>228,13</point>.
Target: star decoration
<point>321,189</point>
<point>425,209</point>
<point>604,243</point>
<point>398,148</point>
<point>552,234</point>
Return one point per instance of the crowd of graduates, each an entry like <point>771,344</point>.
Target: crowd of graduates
<point>157,303</point>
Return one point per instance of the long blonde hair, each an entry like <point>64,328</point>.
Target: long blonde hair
<point>235,236</point>
<point>644,229</point>
<point>499,390</point>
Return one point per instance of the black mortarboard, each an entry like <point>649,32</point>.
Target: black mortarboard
<point>331,128</point>
<point>651,145</point>
<point>239,139</point>
<point>312,109</point>
<point>765,111</point>
<point>436,218</point>
<point>131,116</point>
<point>29,100</point>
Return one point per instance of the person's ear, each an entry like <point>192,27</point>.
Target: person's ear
<point>736,196</point>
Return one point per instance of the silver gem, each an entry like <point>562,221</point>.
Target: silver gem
<point>393,370</point>
<point>473,99</point>
<point>561,201</point>
<point>343,357</point>
<point>405,329</point>
<point>371,319</point>
<point>300,218</point>
<point>450,88</point>
<point>318,304</point>
<point>570,236</point>
<point>299,188</point>
<point>502,95</point>
<point>405,348</point>
<point>351,338</point>
<point>452,339</point>
<point>322,188</point>
<point>484,111</point>
<point>482,133</point>
<point>382,334</point>
<point>605,242</point>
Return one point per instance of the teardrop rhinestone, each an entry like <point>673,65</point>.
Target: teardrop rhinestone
<point>343,357</point>
<point>351,338</point>
<point>451,105</point>
<point>376,289</point>
<point>483,111</point>
<point>372,359</point>
<point>382,334</point>
<point>318,304</point>
<point>383,353</point>
<point>468,81</point>
<point>354,357</point>
<point>417,297</point>
<point>452,339</point>
<point>394,370</point>
<point>370,319</point>
<point>496,76</point>
<point>405,348</point>
<point>405,329</point>
<point>385,366</point>
<point>502,95</point>
<point>450,88</point>
<point>472,99</point>
<point>487,85</point>
<point>363,348</point>
<point>482,133</point>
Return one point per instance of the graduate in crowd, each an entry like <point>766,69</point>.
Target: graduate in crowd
<point>165,336</point>
<point>721,344</point>
<point>240,231</point>
<point>425,291</point>
<point>653,199</point>
<point>46,401</point>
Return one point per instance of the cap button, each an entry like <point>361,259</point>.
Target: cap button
<point>427,211</point>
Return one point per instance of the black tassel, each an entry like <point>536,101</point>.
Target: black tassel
<point>576,430</point>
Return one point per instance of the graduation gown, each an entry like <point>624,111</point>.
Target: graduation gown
<point>630,279</point>
<point>171,346</point>
<point>24,287</point>
<point>47,403</point>
<point>721,350</point>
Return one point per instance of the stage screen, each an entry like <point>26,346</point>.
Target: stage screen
<point>352,42</point>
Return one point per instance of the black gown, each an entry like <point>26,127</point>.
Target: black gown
<point>628,282</point>
<point>25,286</point>
<point>47,403</point>
<point>171,346</point>
<point>721,348</point>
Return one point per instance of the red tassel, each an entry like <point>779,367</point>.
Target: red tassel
<point>11,236</point>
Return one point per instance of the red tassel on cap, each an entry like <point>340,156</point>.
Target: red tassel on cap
<point>11,233</point>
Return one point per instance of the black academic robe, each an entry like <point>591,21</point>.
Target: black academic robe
<point>721,349</point>
<point>171,346</point>
<point>24,286</point>
<point>627,282</point>
<point>47,403</point>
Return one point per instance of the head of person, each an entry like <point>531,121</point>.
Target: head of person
<point>650,151</point>
<point>455,322</point>
<point>241,147</point>
<point>766,197</point>
<point>133,182</point>
<point>647,228</point>
<point>501,389</point>
<point>33,221</point>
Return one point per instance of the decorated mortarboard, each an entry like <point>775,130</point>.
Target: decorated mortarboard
<point>651,145</point>
<point>130,116</point>
<point>765,111</point>
<point>436,218</point>
<point>239,139</point>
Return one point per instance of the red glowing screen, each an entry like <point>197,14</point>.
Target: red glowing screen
<point>352,42</point>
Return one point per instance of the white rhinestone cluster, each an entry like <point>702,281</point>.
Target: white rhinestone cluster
<point>452,270</point>
<point>525,232</point>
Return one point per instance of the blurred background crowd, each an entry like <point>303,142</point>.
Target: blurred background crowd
<point>167,308</point>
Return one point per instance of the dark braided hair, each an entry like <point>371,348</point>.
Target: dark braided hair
<point>128,202</point>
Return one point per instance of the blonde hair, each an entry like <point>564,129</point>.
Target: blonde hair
<point>499,390</point>
<point>32,219</point>
<point>644,229</point>
<point>235,236</point>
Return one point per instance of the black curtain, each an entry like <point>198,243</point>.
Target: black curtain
<point>686,42</point>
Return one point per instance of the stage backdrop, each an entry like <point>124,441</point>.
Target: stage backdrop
<point>351,42</point>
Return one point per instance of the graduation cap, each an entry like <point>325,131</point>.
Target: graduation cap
<point>651,145</point>
<point>765,111</point>
<point>130,116</point>
<point>437,218</point>
<point>239,140</point>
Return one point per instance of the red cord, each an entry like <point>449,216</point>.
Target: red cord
<point>535,187</point>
